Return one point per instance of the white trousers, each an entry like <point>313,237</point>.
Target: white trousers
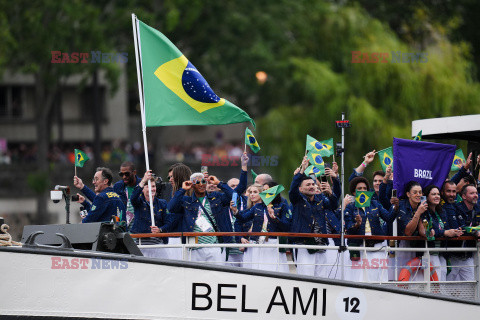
<point>175,253</point>
<point>235,260</point>
<point>462,270</point>
<point>439,266</point>
<point>269,259</point>
<point>161,253</point>
<point>212,255</point>
<point>311,264</point>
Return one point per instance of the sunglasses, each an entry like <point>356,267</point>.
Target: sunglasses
<point>203,181</point>
<point>126,174</point>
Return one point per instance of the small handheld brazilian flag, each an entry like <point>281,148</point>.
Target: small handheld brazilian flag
<point>418,137</point>
<point>458,160</point>
<point>251,141</point>
<point>325,148</point>
<point>472,229</point>
<point>268,195</point>
<point>80,158</point>
<point>317,171</point>
<point>315,158</point>
<point>386,158</point>
<point>363,198</point>
<point>254,175</point>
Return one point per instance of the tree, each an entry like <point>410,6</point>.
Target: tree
<point>35,29</point>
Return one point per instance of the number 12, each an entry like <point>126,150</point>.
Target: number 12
<point>354,303</point>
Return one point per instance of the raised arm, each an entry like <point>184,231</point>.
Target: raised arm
<point>358,171</point>
<point>242,185</point>
<point>388,215</point>
<point>175,204</point>
<point>294,194</point>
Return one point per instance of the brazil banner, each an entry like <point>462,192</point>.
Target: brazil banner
<point>427,163</point>
<point>175,92</point>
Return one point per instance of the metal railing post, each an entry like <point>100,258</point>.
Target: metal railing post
<point>476,259</point>
<point>426,269</point>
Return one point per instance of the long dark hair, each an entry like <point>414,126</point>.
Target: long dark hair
<point>426,192</point>
<point>180,173</point>
<point>409,187</point>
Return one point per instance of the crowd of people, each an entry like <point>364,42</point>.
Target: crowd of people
<point>119,151</point>
<point>200,202</point>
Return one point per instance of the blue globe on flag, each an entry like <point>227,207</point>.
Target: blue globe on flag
<point>362,198</point>
<point>196,86</point>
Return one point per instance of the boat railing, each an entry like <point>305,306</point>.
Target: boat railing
<point>339,264</point>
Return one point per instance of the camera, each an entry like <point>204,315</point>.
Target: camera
<point>161,186</point>
<point>56,195</point>
<point>75,197</point>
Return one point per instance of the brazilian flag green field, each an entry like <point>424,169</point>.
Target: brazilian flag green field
<point>175,92</point>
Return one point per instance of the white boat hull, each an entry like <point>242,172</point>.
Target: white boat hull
<point>51,284</point>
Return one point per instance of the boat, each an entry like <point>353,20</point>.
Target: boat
<point>112,280</point>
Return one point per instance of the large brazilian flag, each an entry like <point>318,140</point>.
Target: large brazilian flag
<point>175,92</point>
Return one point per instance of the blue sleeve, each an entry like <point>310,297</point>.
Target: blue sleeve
<point>349,217</point>
<point>332,202</point>
<point>175,204</point>
<point>385,193</point>
<point>135,197</point>
<point>402,220</point>
<point>227,194</point>
<point>294,194</point>
<point>96,211</point>
<point>237,227</point>
<point>242,185</point>
<point>246,215</point>
<point>354,175</point>
<point>284,218</point>
<point>387,215</point>
<point>337,188</point>
<point>89,194</point>
<point>119,188</point>
<point>462,173</point>
<point>86,205</point>
<point>168,219</point>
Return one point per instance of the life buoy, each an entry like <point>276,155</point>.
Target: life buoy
<point>412,267</point>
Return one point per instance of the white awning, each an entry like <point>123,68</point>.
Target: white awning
<point>460,127</point>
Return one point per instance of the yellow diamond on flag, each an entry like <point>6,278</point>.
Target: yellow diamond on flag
<point>173,74</point>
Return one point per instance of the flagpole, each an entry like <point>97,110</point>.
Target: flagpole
<point>138,54</point>
<point>342,233</point>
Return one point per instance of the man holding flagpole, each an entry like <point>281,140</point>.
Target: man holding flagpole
<point>172,91</point>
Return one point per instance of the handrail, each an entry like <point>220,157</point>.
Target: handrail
<point>289,234</point>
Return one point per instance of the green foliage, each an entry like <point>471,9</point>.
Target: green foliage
<point>304,46</point>
<point>38,181</point>
<point>381,99</point>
